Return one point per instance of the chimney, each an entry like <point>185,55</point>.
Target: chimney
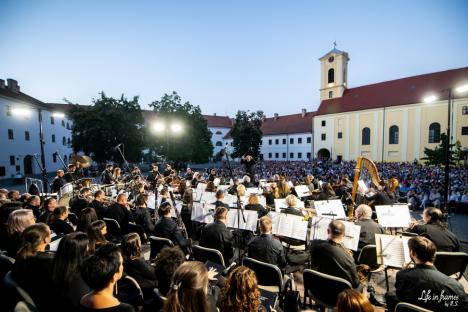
<point>2,84</point>
<point>214,114</point>
<point>233,121</point>
<point>13,85</point>
<point>304,111</point>
<point>276,116</point>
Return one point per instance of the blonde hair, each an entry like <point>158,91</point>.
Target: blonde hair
<point>265,224</point>
<point>291,200</point>
<point>253,199</point>
<point>19,220</point>
<point>241,190</point>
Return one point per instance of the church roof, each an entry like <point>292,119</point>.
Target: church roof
<point>409,90</point>
<point>333,51</point>
<point>288,124</point>
<point>218,121</point>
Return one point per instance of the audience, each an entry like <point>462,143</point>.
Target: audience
<point>97,235</point>
<point>167,228</point>
<point>141,214</point>
<point>167,261</point>
<point>350,300</point>
<point>88,216</point>
<point>57,221</point>
<point>17,222</point>
<point>48,208</point>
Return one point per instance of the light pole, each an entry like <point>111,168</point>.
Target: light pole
<point>433,98</point>
<point>167,127</point>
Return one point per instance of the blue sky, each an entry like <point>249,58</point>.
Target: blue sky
<point>220,55</point>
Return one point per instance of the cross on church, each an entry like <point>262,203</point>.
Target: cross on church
<point>334,44</point>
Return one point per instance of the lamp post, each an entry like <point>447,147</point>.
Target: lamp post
<point>433,98</point>
<point>167,127</point>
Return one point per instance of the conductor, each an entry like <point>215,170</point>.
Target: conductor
<point>249,164</point>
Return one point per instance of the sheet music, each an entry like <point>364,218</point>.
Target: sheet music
<point>223,187</point>
<point>352,233</point>
<point>393,216</point>
<point>330,208</point>
<point>178,206</point>
<point>201,187</point>
<point>252,190</point>
<point>302,191</point>
<point>281,203</point>
<point>202,213</point>
<point>289,225</point>
<point>208,197</point>
<point>250,223</point>
<point>362,187</point>
<point>319,231</point>
<point>392,250</point>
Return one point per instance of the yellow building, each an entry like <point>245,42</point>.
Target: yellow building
<point>386,121</point>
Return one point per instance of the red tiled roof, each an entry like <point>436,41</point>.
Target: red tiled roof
<point>287,124</point>
<point>403,91</point>
<point>218,121</point>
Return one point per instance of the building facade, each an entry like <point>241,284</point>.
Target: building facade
<point>219,127</point>
<point>19,133</point>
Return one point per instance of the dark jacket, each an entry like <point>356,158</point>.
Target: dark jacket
<point>368,230</point>
<point>267,249</point>
<point>142,271</point>
<point>121,214</point>
<point>217,236</point>
<point>60,226</point>
<point>262,211</point>
<point>57,184</point>
<point>106,177</point>
<point>423,281</point>
<point>439,235</point>
<point>219,203</point>
<point>381,198</point>
<point>331,258</point>
<point>167,228</point>
<point>99,207</point>
<point>142,217</point>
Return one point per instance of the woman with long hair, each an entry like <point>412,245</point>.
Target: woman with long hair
<point>97,235</point>
<point>17,222</point>
<point>350,300</point>
<point>71,252</point>
<point>87,216</point>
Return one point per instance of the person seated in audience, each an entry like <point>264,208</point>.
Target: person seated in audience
<point>97,235</point>
<point>14,195</point>
<point>88,216</point>
<point>254,204</point>
<point>142,215</point>
<point>350,300</point>
<point>80,201</point>
<point>423,285</point>
<point>369,227</point>
<point>167,261</point>
<point>217,236</point>
<point>291,201</point>
<point>98,203</point>
<point>266,247</point>
<point>34,203</point>
<point>48,208</point>
<point>101,271</point>
<point>120,212</point>
<point>58,221</point>
<point>136,266</point>
<point>240,292</point>
<point>220,200</point>
<point>435,229</point>
<point>168,228</point>
<point>189,291</point>
<point>17,222</point>
<point>71,252</point>
<point>330,257</point>
<point>33,266</point>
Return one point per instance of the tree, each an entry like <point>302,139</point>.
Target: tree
<point>194,143</point>
<point>97,129</point>
<point>247,133</point>
<point>436,156</point>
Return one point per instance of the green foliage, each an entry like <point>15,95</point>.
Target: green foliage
<point>100,127</point>
<point>193,144</point>
<point>247,133</point>
<point>436,156</point>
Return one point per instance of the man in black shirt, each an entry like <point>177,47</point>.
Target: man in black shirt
<point>369,227</point>
<point>58,181</point>
<point>120,211</point>
<point>217,236</point>
<point>266,247</point>
<point>168,228</point>
<point>81,201</point>
<point>70,175</point>
<point>98,203</point>
<point>249,163</point>
<point>106,175</point>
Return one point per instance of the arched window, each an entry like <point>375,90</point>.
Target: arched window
<point>366,136</point>
<point>434,132</point>
<point>393,135</point>
<point>68,126</point>
<point>63,123</point>
<point>331,75</point>
<point>64,141</point>
<point>219,143</point>
<point>218,132</point>
<point>68,142</point>
<point>65,159</point>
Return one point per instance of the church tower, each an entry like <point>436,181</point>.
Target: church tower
<point>334,71</point>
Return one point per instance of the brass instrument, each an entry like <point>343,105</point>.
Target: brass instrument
<point>84,160</point>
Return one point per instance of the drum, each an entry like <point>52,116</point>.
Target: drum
<point>66,189</point>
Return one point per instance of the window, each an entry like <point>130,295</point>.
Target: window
<point>309,140</point>
<point>464,130</point>
<point>269,155</point>
<point>53,138</point>
<point>54,157</point>
<point>231,143</point>
<point>18,168</point>
<point>291,141</point>
<point>330,94</point>
<point>284,155</point>
<point>291,155</point>
<point>52,120</point>
<point>324,136</point>
<point>308,155</point>
<point>434,132</point>
<point>63,123</point>
<point>8,110</point>
<point>2,171</point>
<point>219,143</point>
<point>299,140</point>
<point>340,135</point>
<point>366,136</point>
<point>465,110</point>
<point>299,155</point>
<point>26,135</point>
<point>68,142</point>
<point>218,132</point>
<point>276,155</point>
<point>331,75</point>
<point>10,134</point>
<point>68,126</point>
<point>284,141</point>
<point>64,141</point>
<point>12,161</point>
<point>269,142</point>
<point>276,141</point>
<point>324,123</point>
<point>393,135</point>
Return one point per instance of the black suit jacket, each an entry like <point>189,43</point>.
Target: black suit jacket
<point>121,214</point>
<point>217,236</point>
<point>219,203</point>
<point>57,184</point>
<point>167,228</point>
<point>60,226</point>
<point>442,237</point>
<point>330,258</point>
<point>267,249</point>
<point>142,217</point>
<point>414,284</point>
